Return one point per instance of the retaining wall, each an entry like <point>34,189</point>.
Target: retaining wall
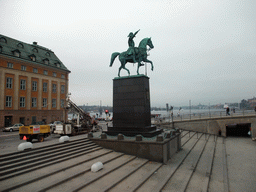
<point>213,125</point>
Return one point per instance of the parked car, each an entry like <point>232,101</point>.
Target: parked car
<point>14,127</point>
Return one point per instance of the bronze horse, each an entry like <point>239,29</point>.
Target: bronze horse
<point>141,55</point>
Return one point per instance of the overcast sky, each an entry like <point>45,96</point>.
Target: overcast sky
<point>204,50</point>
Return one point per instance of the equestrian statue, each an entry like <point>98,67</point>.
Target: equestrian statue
<point>134,54</point>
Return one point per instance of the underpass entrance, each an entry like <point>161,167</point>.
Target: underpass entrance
<point>239,130</point>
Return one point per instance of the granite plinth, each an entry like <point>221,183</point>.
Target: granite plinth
<point>131,107</point>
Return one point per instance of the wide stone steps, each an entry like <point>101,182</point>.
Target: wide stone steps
<point>198,166</point>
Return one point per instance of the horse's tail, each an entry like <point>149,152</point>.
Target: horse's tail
<point>113,56</point>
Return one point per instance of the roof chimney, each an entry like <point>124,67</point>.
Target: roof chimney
<point>34,43</point>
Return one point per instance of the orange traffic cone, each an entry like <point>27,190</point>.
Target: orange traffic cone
<point>25,138</point>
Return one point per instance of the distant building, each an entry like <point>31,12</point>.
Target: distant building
<point>252,102</point>
<point>33,83</point>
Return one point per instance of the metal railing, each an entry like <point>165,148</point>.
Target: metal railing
<point>205,115</point>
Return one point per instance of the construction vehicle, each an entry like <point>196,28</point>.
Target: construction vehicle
<point>82,124</point>
<point>31,132</point>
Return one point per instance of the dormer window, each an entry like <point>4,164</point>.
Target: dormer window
<point>20,45</point>
<point>16,53</point>
<point>46,61</point>
<point>3,40</point>
<point>57,64</point>
<point>35,50</point>
<point>32,57</point>
<point>47,54</point>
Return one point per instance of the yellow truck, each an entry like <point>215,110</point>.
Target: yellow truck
<point>31,132</point>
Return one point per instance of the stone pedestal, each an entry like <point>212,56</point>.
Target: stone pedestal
<point>131,107</point>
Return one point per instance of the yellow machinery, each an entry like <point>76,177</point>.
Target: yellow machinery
<point>34,132</point>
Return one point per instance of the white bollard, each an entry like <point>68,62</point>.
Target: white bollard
<point>64,139</point>
<point>25,145</point>
<point>96,167</point>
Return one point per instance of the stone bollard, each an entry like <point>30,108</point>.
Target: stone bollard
<point>120,137</point>
<point>25,146</point>
<point>63,139</point>
<point>159,138</point>
<point>90,135</point>
<point>103,136</point>
<point>138,138</point>
<point>96,167</point>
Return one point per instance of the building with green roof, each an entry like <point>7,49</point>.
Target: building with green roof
<point>33,83</point>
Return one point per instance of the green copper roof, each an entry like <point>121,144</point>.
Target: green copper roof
<point>43,56</point>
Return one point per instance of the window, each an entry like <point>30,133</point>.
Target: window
<point>35,70</point>
<point>8,102</point>
<point>54,74</point>
<point>1,48</point>
<point>22,84</point>
<point>53,103</point>
<point>23,68</point>
<point>45,72</point>
<point>54,88</point>
<point>34,85</point>
<point>9,83</point>
<point>10,65</point>
<point>57,64</point>
<point>20,45</point>
<point>33,102</point>
<point>44,87</point>
<point>46,61</point>
<point>3,40</point>
<point>62,103</point>
<point>44,102</point>
<point>62,90</point>
<point>62,76</point>
<point>33,120</point>
<point>22,101</point>
<point>35,50</point>
<point>16,53</point>
<point>32,57</point>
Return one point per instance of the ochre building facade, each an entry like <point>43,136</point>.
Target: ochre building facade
<point>33,84</point>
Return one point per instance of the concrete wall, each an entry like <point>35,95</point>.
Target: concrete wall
<point>213,125</point>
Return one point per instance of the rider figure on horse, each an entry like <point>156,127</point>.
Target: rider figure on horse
<point>131,44</point>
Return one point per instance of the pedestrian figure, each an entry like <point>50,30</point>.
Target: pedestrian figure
<point>227,111</point>
<point>219,132</point>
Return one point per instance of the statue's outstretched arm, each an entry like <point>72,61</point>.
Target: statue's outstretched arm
<point>136,32</point>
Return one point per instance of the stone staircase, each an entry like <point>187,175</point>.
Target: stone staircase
<point>200,165</point>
